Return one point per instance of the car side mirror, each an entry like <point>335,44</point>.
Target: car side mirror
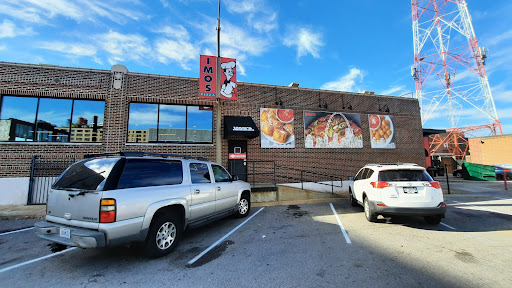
<point>234,178</point>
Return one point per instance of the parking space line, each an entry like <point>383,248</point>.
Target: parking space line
<point>37,259</point>
<point>341,225</point>
<point>447,226</point>
<point>10,232</point>
<point>486,209</point>
<point>222,239</point>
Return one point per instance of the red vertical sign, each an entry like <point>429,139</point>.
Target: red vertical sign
<point>207,77</point>
<point>228,79</point>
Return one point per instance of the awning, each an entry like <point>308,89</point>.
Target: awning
<point>240,126</point>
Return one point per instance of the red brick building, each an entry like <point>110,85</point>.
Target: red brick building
<point>55,113</point>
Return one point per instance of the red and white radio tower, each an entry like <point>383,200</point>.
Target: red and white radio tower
<point>449,71</point>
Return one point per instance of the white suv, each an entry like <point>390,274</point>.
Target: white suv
<point>397,189</point>
<point>117,198</point>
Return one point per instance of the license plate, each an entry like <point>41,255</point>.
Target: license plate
<point>410,190</point>
<point>65,233</point>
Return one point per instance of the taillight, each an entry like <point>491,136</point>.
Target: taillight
<point>380,184</point>
<point>108,211</point>
<point>433,184</point>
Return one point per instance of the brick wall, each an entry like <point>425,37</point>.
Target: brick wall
<point>62,82</point>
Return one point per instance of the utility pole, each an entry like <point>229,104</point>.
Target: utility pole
<point>218,140</point>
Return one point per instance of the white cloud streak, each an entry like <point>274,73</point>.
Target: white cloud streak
<point>9,30</point>
<point>306,41</point>
<point>71,49</point>
<point>347,82</point>
<point>394,90</point>
<point>123,47</point>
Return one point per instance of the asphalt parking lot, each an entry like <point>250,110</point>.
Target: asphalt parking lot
<point>305,245</point>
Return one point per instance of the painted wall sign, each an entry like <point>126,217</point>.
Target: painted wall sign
<point>277,128</point>
<point>382,131</point>
<point>332,130</point>
<point>237,155</point>
<point>207,76</point>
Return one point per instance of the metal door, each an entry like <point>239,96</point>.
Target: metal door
<point>237,151</point>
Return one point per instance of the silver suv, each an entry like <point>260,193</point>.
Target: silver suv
<point>118,198</point>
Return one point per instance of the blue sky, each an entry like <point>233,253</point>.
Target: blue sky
<point>336,45</point>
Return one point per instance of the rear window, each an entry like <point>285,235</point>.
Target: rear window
<point>145,173</point>
<point>88,174</point>
<point>404,175</point>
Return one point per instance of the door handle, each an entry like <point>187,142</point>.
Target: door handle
<point>218,188</point>
<point>197,191</point>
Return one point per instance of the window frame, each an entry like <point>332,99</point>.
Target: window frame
<point>186,141</point>
<point>37,118</point>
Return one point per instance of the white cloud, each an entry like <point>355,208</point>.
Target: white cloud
<point>73,49</point>
<point>42,11</point>
<point>306,40</point>
<point>499,38</point>
<point>123,47</point>
<point>502,92</point>
<point>179,51</point>
<point>394,90</point>
<point>259,16</point>
<point>347,82</point>
<point>9,30</point>
<point>178,32</point>
<point>3,47</point>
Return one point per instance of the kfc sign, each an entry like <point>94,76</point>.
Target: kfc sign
<point>208,82</point>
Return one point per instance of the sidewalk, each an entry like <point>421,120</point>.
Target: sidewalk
<point>11,212</point>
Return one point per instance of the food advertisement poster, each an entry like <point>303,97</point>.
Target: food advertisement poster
<point>332,130</point>
<point>382,131</point>
<point>277,128</point>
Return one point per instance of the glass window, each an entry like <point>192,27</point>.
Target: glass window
<point>88,174</point>
<point>47,119</point>
<point>145,173</point>
<point>369,173</point>
<point>359,174</point>
<point>20,113</point>
<point>88,114</point>
<point>171,125</point>
<point>199,173</point>
<point>143,117</point>
<point>220,174</point>
<point>404,175</point>
<point>199,124</point>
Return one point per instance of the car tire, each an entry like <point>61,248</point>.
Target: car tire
<point>244,205</point>
<point>433,220</point>
<point>353,200</point>
<point>368,212</point>
<point>163,235</point>
<point>458,175</point>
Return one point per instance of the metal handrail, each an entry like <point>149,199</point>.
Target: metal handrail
<point>274,174</point>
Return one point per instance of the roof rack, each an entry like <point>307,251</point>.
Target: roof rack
<point>142,154</point>
<point>398,163</point>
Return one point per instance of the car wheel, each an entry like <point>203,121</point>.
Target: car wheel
<point>353,201</point>
<point>370,215</point>
<point>433,220</point>
<point>458,175</point>
<point>163,235</point>
<point>244,206</point>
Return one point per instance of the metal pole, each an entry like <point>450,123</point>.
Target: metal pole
<point>218,141</point>
<point>447,181</point>
<point>505,178</point>
<point>31,181</point>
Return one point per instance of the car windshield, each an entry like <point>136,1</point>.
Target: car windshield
<point>88,174</point>
<point>404,175</point>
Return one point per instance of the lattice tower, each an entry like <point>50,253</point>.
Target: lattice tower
<point>449,66</point>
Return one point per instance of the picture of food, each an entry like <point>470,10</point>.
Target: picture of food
<point>332,130</point>
<point>381,131</point>
<point>277,128</point>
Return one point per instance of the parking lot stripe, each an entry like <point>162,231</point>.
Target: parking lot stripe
<point>37,259</point>
<point>222,239</point>
<point>10,232</point>
<point>447,226</point>
<point>490,210</point>
<point>341,225</point>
